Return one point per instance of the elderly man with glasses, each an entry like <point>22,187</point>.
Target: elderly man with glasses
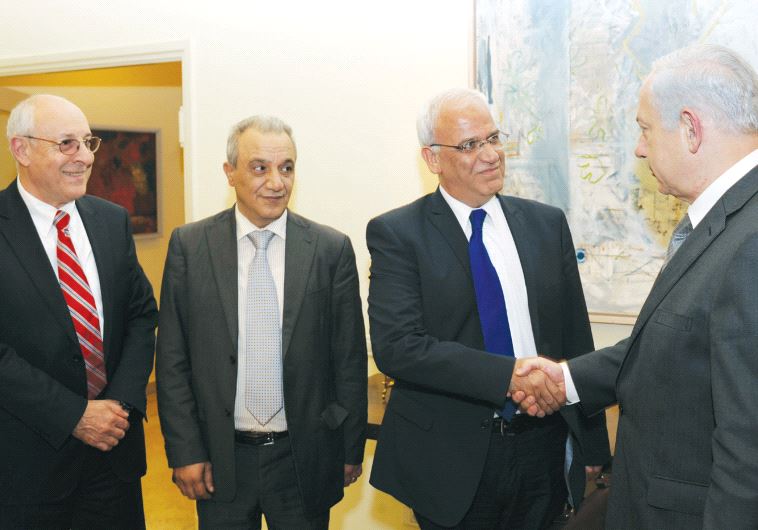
<point>465,283</point>
<point>77,325</point>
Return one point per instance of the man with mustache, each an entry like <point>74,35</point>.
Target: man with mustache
<point>77,324</point>
<point>261,364</point>
<point>464,284</point>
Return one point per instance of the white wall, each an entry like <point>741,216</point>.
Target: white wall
<point>348,76</point>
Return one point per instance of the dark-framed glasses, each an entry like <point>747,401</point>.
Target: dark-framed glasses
<point>496,141</point>
<point>69,146</point>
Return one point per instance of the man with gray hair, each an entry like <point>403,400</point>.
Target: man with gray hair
<point>685,380</point>
<point>77,334</point>
<point>261,363</point>
<point>465,284</point>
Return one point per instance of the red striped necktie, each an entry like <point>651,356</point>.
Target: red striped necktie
<point>81,305</point>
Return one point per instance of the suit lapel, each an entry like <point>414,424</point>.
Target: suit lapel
<point>527,254</point>
<point>221,238</point>
<point>17,227</point>
<point>300,247</point>
<point>444,220</point>
<point>102,250</point>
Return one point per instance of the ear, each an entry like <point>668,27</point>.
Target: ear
<point>431,158</point>
<point>692,129</point>
<point>20,150</point>
<point>229,170</point>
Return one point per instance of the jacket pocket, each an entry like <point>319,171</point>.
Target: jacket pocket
<point>677,495</point>
<point>672,320</point>
<point>334,415</point>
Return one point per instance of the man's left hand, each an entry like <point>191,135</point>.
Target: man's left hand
<point>352,472</point>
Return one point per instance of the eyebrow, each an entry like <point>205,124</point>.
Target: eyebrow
<point>472,138</point>
<point>266,161</point>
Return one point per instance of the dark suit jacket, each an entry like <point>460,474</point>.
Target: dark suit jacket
<point>323,340</point>
<point>43,388</point>
<point>686,382</point>
<point>425,332</point>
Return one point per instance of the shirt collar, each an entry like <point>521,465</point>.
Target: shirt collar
<point>462,211</point>
<point>711,195</point>
<point>43,214</point>
<point>244,226</point>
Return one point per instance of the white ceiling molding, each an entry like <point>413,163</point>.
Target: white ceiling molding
<point>98,58</point>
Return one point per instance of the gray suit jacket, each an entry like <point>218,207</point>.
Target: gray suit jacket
<point>426,333</point>
<point>686,381</point>
<point>323,341</point>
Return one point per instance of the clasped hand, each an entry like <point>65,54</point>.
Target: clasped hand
<point>537,386</point>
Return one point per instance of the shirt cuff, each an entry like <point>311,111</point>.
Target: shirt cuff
<point>572,396</point>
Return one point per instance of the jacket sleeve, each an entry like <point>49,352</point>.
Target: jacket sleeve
<point>177,406</point>
<point>348,353</point>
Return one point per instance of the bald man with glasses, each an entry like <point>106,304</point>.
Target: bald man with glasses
<point>77,325</point>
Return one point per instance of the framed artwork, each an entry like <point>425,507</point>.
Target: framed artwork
<point>126,172</point>
<point>563,79</point>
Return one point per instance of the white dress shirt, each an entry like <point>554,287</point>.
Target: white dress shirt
<point>501,248</point>
<point>43,216</point>
<point>243,420</point>
<point>697,212</point>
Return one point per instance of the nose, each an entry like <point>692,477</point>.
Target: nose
<point>641,150</point>
<point>488,153</point>
<point>84,155</point>
<point>275,181</point>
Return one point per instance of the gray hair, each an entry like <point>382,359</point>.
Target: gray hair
<point>21,119</point>
<point>260,123</point>
<point>711,79</point>
<point>430,112</point>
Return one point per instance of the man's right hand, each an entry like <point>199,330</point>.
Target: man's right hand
<point>537,386</point>
<point>195,480</point>
<point>103,424</point>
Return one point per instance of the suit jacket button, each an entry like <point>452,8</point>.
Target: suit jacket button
<point>227,412</point>
<point>232,360</point>
<point>76,359</point>
<point>485,424</point>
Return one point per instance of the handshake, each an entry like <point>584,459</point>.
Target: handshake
<point>537,386</point>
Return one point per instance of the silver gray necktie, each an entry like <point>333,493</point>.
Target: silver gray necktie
<point>681,232</point>
<point>263,374</point>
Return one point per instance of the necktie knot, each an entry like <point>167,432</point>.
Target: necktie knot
<point>261,238</point>
<point>477,219</point>
<point>61,220</point>
<point>682,230</point>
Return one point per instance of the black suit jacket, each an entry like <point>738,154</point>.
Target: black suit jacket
<point>43,388</point>
<point>686,382</point>
<point>425,332</point>
<point>323,343</point>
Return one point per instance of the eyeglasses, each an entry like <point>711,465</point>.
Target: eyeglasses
<point>495,140</point>
<point>69,146</point>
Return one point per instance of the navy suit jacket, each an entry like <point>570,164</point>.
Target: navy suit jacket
<point>426,333</point>
<point>43,388</point>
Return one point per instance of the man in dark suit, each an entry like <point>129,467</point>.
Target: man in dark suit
<point>442,449</point>
<point>685,380</point>
<point>222,360</point>
<point>77,324</point>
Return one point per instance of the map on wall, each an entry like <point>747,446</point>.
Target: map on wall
<point>563,78</point>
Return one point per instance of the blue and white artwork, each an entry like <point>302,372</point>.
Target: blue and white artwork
<point>563,77</point>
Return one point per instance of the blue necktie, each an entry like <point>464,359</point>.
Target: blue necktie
<point>489,299</point>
